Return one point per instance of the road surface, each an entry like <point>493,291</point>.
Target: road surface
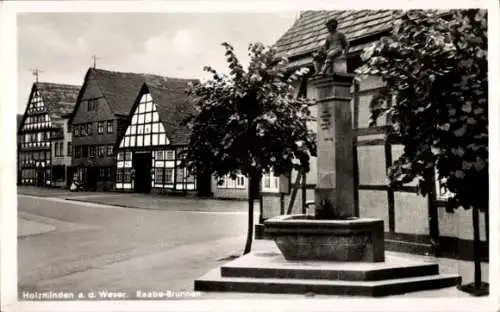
<point>84,247</point>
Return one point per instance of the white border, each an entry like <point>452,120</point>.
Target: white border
<point>8,199</point>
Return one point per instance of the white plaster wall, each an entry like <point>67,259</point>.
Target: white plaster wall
<point>371,164</point>
<point>373,204</point>
<point>459,224</point>
<point>410,213</point>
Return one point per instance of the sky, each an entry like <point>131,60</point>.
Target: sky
<point>61,45</point>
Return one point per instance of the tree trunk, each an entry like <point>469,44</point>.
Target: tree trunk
<point>477,248</point>
<point>248,244</point>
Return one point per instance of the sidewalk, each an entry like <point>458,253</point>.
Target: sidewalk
<point>151,201</point>
<point>51,191</point>
<point>162,202</point>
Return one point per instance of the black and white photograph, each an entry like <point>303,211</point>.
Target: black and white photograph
<point>192,157</point>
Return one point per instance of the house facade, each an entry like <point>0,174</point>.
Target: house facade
<point>42,120</point>
<point>100,117</point>
<point>19,120</point>
<point>412,222</point>
<point>150,150</point>
<point>61,174</point>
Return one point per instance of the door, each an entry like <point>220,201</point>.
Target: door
<point>92,176</point>
<point>142,164</point>
<point>40,177</point>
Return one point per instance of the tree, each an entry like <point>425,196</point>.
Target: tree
<point>435,67</point>
<point>249,122</point>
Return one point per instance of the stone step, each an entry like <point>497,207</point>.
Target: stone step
<point>273,265</point>
<point>408,247</point>
<point>214,281</point>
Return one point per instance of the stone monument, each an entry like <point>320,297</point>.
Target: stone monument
<point>331,57</point>
<point>335,251</point>
<point>336,233</point>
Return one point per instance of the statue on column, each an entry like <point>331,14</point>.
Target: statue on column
<point>336,46</point>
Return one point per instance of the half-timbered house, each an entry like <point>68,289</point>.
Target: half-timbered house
<point>19,119</point>
<point>100,115</point>
<point>412,222</point>
<point>42,120</point>
<point>150,150</point>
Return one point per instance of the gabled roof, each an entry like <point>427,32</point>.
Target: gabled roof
<point>58,99</point>
<point>309,31</point>
<point>173,105</point>
<point>120,89</point>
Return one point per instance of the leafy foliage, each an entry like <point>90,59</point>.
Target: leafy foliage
<point>249,121</point>
<point>435,68</point>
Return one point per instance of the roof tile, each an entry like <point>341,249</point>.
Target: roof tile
<point>120,89</point>
<point>308,32</point>
<point>173,106</point>
<point>59,99</point>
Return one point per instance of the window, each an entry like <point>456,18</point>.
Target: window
<point>110,150</point>
<point>169,155</point>
<point>159,155</point>
<point>238,183</point>
<point>103,173</point>
<point>109,126</point>
<point>89,129</point>
<point>169,175</point>
<point>119,175</point>
<point>76,131</point>
<point>120,156</point>
<point>159,175</point>
<point>83,130</point>
<point>92,105</point>
<point>128,156</point>
<point>85,150</point>
<point>100,127</point>
<point>190,178</point>
<point>270,183</point>
<point>127,175</point>
<point>92,151</point>
<point>70,149</point>
<point>78,150</point>
<point>179,175</point>
<point>61,149</point>
<point>102,150</point>
<point>56,149</point>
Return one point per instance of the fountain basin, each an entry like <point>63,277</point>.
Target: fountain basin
<point>301,237</point>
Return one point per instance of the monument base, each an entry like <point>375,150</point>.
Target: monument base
<point>301,237</point>
<point>270,272</point>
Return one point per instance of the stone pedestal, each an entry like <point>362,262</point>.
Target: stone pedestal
<point>301,237</point>
<point>335,182</point>
<point>340,65</point>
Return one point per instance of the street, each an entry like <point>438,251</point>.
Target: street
<point>90,247</point>
<point>130,243</point>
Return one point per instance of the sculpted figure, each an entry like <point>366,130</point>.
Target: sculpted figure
<point>336,45</point>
